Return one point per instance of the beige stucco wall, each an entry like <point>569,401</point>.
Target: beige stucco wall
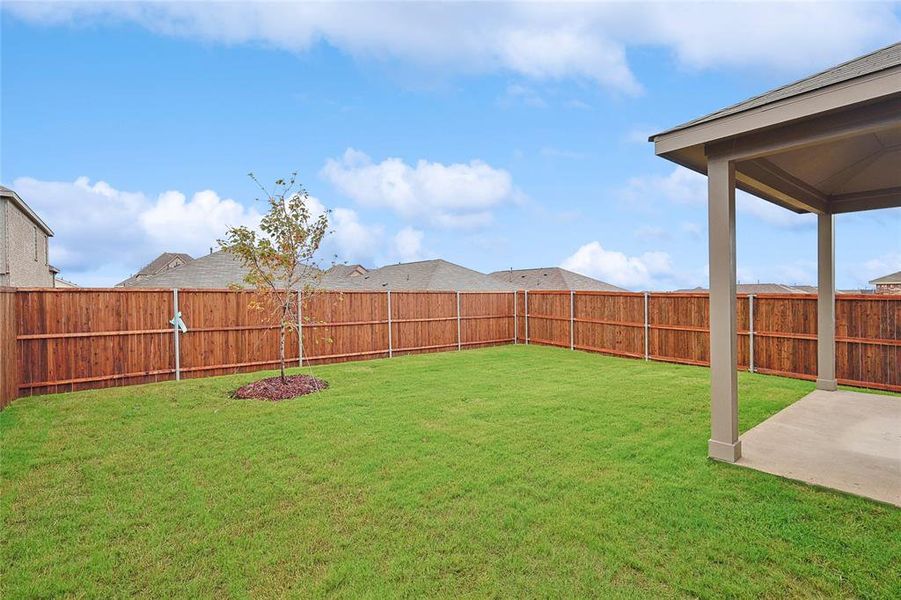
<point>4,265</point>
<point>24,270</point>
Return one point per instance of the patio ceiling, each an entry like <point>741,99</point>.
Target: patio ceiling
<point>830,143</point>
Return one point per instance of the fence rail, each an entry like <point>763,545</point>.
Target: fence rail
<point>54,340</point>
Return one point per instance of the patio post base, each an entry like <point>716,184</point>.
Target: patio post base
<point>724,451</point>
<point>827,385</point>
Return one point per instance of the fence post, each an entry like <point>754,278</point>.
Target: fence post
<point>751,333</point>
<point>459,341</point>
<point>515,323</point>
<point>571,320</point>
<point>647,328</point>
<point>300,328</point>
<point>9,373</point>
<point>527,316</point>
<point>177,334</point>
<point>390,349</point>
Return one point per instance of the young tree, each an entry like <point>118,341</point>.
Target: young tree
<point>280,260</point>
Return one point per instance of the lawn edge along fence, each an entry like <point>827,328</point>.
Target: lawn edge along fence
<point>54,340</point>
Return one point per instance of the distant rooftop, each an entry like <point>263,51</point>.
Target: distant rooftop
<point>773,288</point>
<point>891,278</point>
<point>218,270</point>
<point>164,262</point>
<point>342,270</point>
<point>433,275</point>
<point>552,278</point>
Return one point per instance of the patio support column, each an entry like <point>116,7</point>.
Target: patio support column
<point>826,302</point>
<point>724,443</point>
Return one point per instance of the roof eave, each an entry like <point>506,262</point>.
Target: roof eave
<point>865,88</point>
<point>14,197</point>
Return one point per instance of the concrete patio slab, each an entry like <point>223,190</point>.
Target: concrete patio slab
<point>846,441</point>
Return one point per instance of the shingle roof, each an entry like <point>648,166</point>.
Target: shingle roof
<point>552,278</point>
<point>218,270</point>
<point>884,58</point>
<point>347,270</point>
<point>891,278</point>
<point>156,266</point>
<point>422,275</point>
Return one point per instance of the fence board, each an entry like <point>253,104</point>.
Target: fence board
<point>100,338</point>
<point>485,318</point>
<point>8,366</point>
<point>609,323</point>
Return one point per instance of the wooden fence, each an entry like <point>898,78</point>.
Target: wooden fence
<point>54,340</point>
<point>776,332</point>
<point>74,339</point>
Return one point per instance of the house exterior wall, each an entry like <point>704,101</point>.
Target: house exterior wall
<point>25,248</point>
<point>888,288</point>
<point>4,262</point>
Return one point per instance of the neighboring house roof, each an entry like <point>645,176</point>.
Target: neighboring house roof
<point>5,192</point>
<point>64,283</point>
<point>552,278</point>
<point>885,279</point>
<point>762,288</point>
<point>217,270</point>
<point>422,275</point>
<point>879,60</point>
<point>163,262</point>
<point>354,270</point>
<point>807,289</point>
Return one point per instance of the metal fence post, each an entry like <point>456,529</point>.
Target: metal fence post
<point>390,349</point>
<point>300,328</point>
<point>177,334</point>
<point>751,333</point>
<point>527,316</point>
<point>571,320</point>
<point>515,323</point>
<point>647,328</point>
<point>459,341</point>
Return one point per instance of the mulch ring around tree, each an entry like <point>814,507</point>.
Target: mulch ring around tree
<point>272,388</point>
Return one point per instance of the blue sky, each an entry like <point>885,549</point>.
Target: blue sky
<point>494,136</point>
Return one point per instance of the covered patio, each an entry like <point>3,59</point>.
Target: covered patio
<point>828,144</point>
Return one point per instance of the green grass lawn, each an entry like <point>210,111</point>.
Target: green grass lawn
<point>513,471</point>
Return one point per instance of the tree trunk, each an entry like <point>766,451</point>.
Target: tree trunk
<point>281,351</point>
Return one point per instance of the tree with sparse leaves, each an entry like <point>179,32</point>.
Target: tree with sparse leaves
<point>281,258</point>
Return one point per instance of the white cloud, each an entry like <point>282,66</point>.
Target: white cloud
<point>555,53</point>
<point>540,41</point>
<point>103,234</point>
<point>351,240</point>
<point>193,225</point>
<point>652,232</point>
<point>786,36</point>
<point>455,195</point>
<point>686,187</point>
<point>593,260</point>
<point>408,244</point>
